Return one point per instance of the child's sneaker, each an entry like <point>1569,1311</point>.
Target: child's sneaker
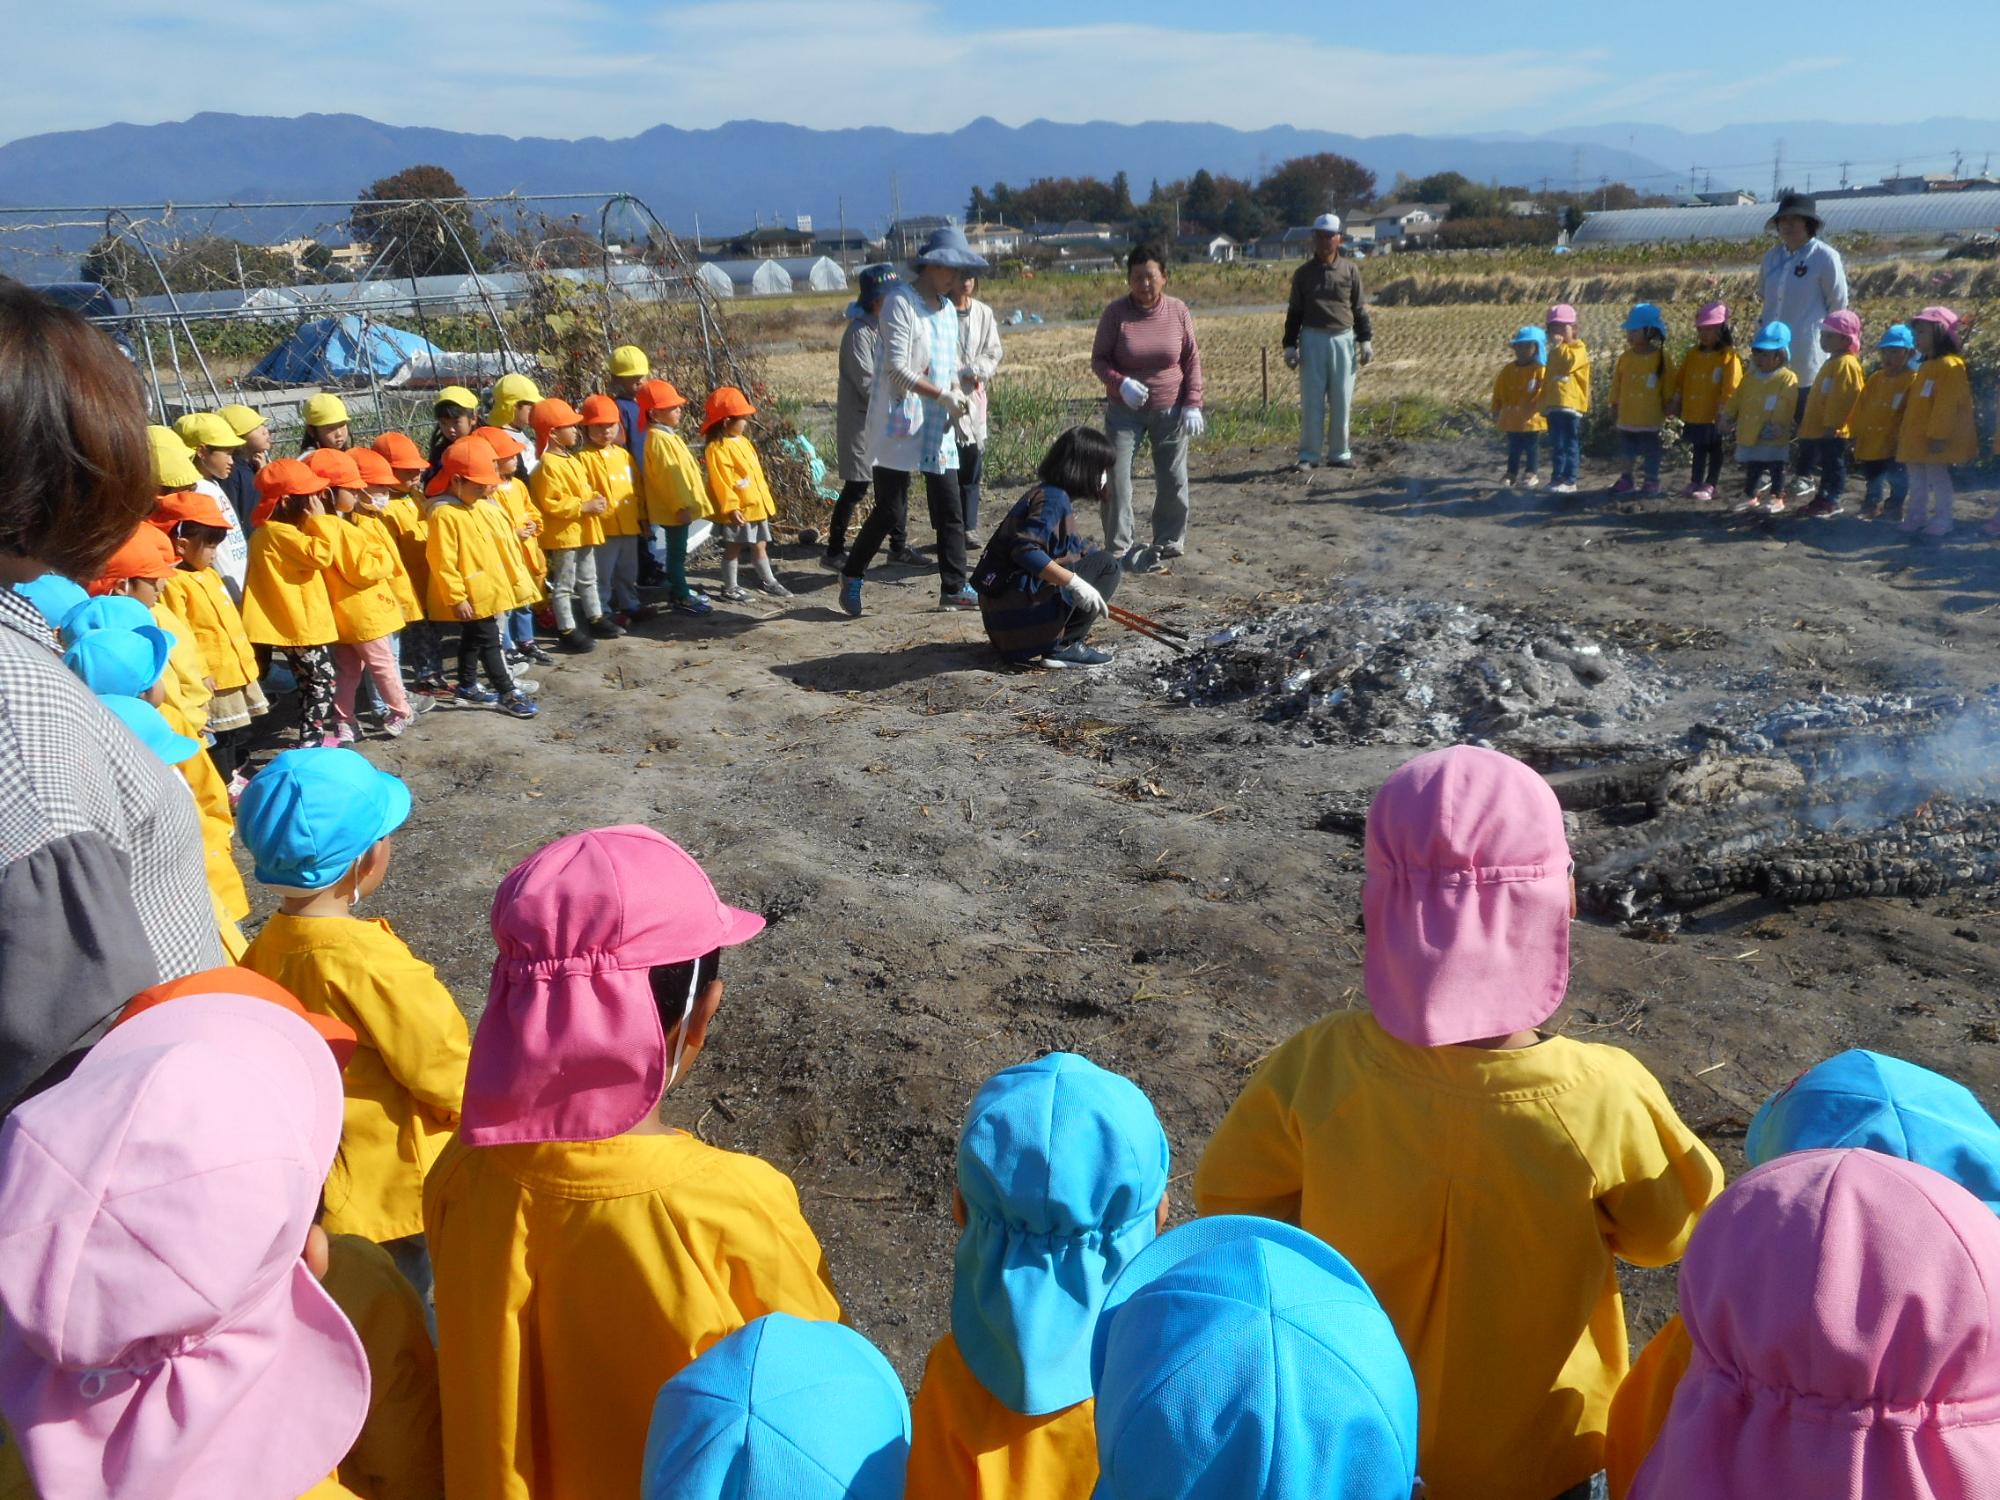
<point>526,686</point>
<point>533,652</point>
<point>238,785</point>
<point>343,734</point>
<point>605,628</point>
<point>1564,488</point>
<point>834,558</point>
<point>475,697</point>
<point>576,643</point>
<point>1748,505</point>
<point>1702,492</point>
<point>905,556</point>
<point>1624,486</point>
<point>517,707</point>
<point>1531,481</point>
<point>693,604</point>
<point>1820,507</point>
<point>850,597</point>
<point>1774,504</point>
<point>965,598</point>
<point>1507,482</point>
<point>774,588</point>
<point>733,593</point>
<point>1803,486</point>
<point>395,724</point>
<point>1652,490</point>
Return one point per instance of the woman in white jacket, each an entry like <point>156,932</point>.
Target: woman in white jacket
<point>978,360</point>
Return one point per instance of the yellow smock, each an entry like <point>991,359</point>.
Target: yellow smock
<point>406,1081</point>
<point>559,486</point>
<point>1939,411</point>
<point>365,607</point>
<point>1878,415</point>
<point>573,1278</point>
<point>513,496</point>
<point>1566,387</point>
<point>1483,1196</point>
<point>1765,408</point>
<point>218,825</point>
<point>1640,386</point>
<point>1831,401</point>
<point>610,471</point>
<point>521,587</point>
<point>1639,1410</point>
<point>186,677</point>
<point>285,601</point>
<point>404,516</point>
<point>674,490</point>
<point>465,563</point>
<point>1707,378</point>
<point>736,485</point>
<point>964,1445</point>
<point>400,1453</point>
<point>408,601</point>
<point>14,1481</point>
<point>199,598</point>
<point>330,1488</point>
<point>1517,398</point>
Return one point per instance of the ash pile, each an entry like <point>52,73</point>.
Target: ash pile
<point>1835,798</point>
<point>1365,668</point>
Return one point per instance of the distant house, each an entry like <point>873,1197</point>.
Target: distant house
<point>1402,224</point>
<point>905,237</point>
<point>846,244</point>
<point>1216,249</point>
<point>995,241</point>
<point>1733,198</point>
<point>353,256</point>
<point>1084,229</point>
<point>772,241</point>
<point>1523,208</point>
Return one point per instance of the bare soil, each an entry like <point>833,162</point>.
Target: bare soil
<point>965,866</point>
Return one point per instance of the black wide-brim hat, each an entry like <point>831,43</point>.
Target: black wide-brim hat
<point>1800,204</point>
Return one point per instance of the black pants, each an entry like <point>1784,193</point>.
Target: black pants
<point>892,503</point>
<point>229,750</point>
<point>1826,457</point>
<point>312,669</point>
<point>1885,477</point>
<point>1756,469</point>
<point>969,475</point>
<point>852,494</point>
<point>423,652</point>
<point>1705,439</point>
<point>479,646</point>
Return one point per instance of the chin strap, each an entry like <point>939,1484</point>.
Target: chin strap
<point>681,1033</point>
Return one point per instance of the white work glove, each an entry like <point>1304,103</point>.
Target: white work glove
<point>1132,392</point>
<point>1364,351</point>
<point>956,403</point>
<point>1193,423</point>
<point>1083,595</point>
<point>1292,357</point>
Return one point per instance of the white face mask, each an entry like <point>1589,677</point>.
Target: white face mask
<point>1104,481</point>
<point>681,1035</point>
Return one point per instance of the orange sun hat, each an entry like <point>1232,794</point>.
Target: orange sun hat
<point>401,450</point>
<point>197,506</point>
<point>283,479</point>
<point>657,395</point>
<point>231,980</point>
<point>146,553</point>
<point>725,403</point>
<point>468,458</point>
<point>549,414</point>
<point>601,411</point>
<point>376,472</point>
<point>336,466</point>
<point>503,442</point>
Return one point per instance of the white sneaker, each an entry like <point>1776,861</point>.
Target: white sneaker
<point>1774,505</point>
<point>1800,488</point>
<point>774,588</point>
<point>1531,481</point>
<point>1748,505</point>
<point>1564,488</point>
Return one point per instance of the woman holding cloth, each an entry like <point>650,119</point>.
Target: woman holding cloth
<point>1146,356</point>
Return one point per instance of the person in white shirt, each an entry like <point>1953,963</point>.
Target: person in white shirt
<point>1803,279</point>
<point>979,360</point>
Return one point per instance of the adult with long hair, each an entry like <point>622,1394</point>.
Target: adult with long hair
<point>1145,355</point>
<point>101,884</point>
<point>1041,586</point>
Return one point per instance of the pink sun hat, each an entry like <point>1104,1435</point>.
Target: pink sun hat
<point>1712,315</point>
<point>160,1333</point>
<point>1845,1315</point>
<point>1845,323</point>
<point>1466,899</point>
<point>571,1047</point>
<point>1944,317</point>
<point>1562,312</point>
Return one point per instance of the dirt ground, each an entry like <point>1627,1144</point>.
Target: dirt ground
<point>965,866</point>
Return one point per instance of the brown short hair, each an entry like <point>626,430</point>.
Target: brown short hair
<point>78,474</point>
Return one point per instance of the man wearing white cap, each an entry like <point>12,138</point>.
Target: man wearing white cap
<point>1327,338</point>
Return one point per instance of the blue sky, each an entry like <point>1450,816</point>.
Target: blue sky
<point>584,67</point>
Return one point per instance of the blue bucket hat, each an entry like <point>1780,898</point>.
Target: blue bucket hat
<point>54,595</point>
<point>1532,335</point>
<point>122,663</point>
<point>105,612</point>
<point>948,247</point>
<point>1774,338</point>
<point>1062,1166</point>
<point>1883,1104</point>
<point>782,1409</point>
<point>1244,1359</point>
<point>1645,316</point>
<point>151,727</point>
<point>311,813</point>
<point>1899,336</point>
<point>869,282</point>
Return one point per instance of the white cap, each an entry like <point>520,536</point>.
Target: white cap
<point>1327,224</point>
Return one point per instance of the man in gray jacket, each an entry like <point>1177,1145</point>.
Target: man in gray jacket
<point>1327,339</point>
<point>860,349</point>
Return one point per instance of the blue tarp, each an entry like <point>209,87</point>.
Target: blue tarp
<point>330,350</point>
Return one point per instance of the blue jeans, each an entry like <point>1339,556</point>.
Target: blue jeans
<point>1565,445</point>
<point>1523,453</point>
<point>1826,457</point>
<point>1886,479</point>
<point>1326,394</point>
<point>1637,446</point>
<point>517,628</point>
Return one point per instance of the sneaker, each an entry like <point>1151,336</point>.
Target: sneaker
<point>343,734</point>
<point>965,598</point>
<point>1304,466</point>
<point>1692,492</point>
<point>733,593</point>
<point>834,558</point>
<point>576,643</point>
<point>774,588</point>
<point>527,686</point>
<point>693,604</point>
<point>1565,488</point>
<point>907,556</point>
<point>1345,461</point>
<point>534,653</point>
<point>1652,490</point>
<point>647,612</point>
<point>1531,481</point>
<point>513,658</point>
<point>1145,560</point>
<point>517,707</point>
<point>433,686</point>
<point>1508,482</point>
<point>1802,487</point>
<point>395,724</point>
<point>1171,550</point>
<point>1820,507</point>
<point>477,697</point>
<point>1702,492</point>
<point>1075,654</point>
<point>238,785</point>
<point>418,708</point>
<point>850,597</point>
<point>605,629</point>
<point>1748,505</point>
<point>1774,505</point>
<point>1624,486</point>
<point>329,741</point>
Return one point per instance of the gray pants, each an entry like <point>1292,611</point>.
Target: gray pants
<point>1326,394</point>
<point>573,577</point>
<point>618,572</point>
<point>1126,429</point>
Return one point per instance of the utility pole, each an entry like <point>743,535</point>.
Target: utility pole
<point>896,211</point>
<point>1576,170</point>
<point>1843,172</point>
<point>1693,167</point>
<point>1777,170</point>
<point>1603,192</point>
<point>842,201</point>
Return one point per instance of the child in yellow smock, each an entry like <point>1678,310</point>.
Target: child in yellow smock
<point>1763,415</point>
<point>1828,420</point>
<point>738,491</point>
<point>1062,1180</point>
<point>1482,1178</point>
<point>404,514</point>
<point>1565,397</point>
<point>585,1249</point>
<point>195,527</point>
<point>285,602</point>
<point>1517,406</point>
<point>360,587</point>
<point>1706,380</point>
<point>400,1452</point>
<point>608,462</point>
<point>572,527</point>
<point>673,489</point>
<point>1641,383</point>
<point>318,822</point>
<point>1938,429</point>
<point>519,529</point>
<point>1878,424</point>
<point>470,582</point>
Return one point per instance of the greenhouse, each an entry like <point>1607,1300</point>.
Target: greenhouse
<point>1936,216</point>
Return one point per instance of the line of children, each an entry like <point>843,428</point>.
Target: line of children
<point>1517,406</point>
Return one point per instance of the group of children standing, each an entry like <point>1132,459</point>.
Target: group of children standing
<point>488,1267</point>
<point>1904,425</point>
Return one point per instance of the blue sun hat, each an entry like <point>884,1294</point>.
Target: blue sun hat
<point>152,729</point>
<point>311,813</point>
<point>1062,1166</point>
<point>1899,336</point>
<point>105,612</point>
<point>1773,338</point>
<point>1244,1359</point>
<point>1883,1104</point>
<point>121,663</point>
<point>782,1409</point>
<point>55,596</point>
<point>949,247</point>
<point>1645,317</point>
<point>1539,337</point>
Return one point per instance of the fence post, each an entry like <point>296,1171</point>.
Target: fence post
<point>1264,370</point>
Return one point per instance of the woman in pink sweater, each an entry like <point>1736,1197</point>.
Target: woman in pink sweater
<point>1146,356</point>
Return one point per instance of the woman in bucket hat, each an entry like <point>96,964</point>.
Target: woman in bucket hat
<point>860,353</point>
<point>1803,279</point>
<point>913,412</point>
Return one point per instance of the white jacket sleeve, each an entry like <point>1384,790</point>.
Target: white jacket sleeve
<point>906,350</point>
